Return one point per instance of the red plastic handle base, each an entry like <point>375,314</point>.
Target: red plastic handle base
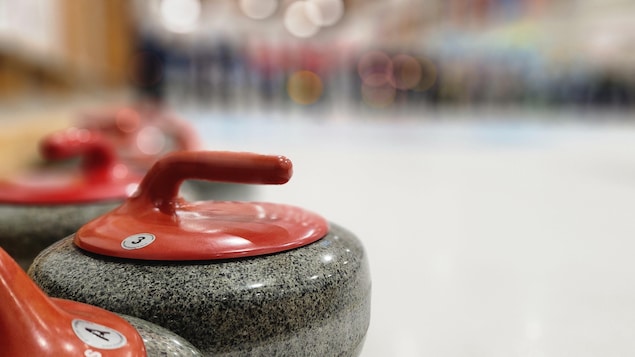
<point>32,324</point>
<point>155,224</point>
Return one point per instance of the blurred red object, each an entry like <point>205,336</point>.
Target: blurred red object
<point>141,132</point>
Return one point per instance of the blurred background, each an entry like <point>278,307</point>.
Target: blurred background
<point>323,55</point>
<point>482,149</point>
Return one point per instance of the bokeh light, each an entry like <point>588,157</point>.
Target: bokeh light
<point>378,96</point>
<point>428,75</point>
<point>258,9</point>
<point>374,68</point>
<point>297,20</point>
<point>151,140</point>
<point>406,72</point>
<point>325,12</point>
<point>127,120</point>
<point>304,87</point>
<point>180,16</point>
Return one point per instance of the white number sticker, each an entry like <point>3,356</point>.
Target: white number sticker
<point>137,241</point>
<point>98,336</point>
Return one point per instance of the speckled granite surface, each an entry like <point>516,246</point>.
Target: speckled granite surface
<point>26,230</point>
<point>311,301</point>
<point>160,342</point>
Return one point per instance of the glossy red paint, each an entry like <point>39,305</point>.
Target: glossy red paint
<point>155,224</point>
<point>33,324</point>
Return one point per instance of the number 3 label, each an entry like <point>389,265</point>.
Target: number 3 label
<point>137,241</point>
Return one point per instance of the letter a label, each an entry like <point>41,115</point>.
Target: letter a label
<point>98,336</point>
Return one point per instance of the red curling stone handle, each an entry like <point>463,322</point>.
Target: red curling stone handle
<point>160,186</point>
<point>98,155</point>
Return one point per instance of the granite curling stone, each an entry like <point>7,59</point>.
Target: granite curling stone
<point>233,278</point>
<point>161,342</point>
<point>33,324</point>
